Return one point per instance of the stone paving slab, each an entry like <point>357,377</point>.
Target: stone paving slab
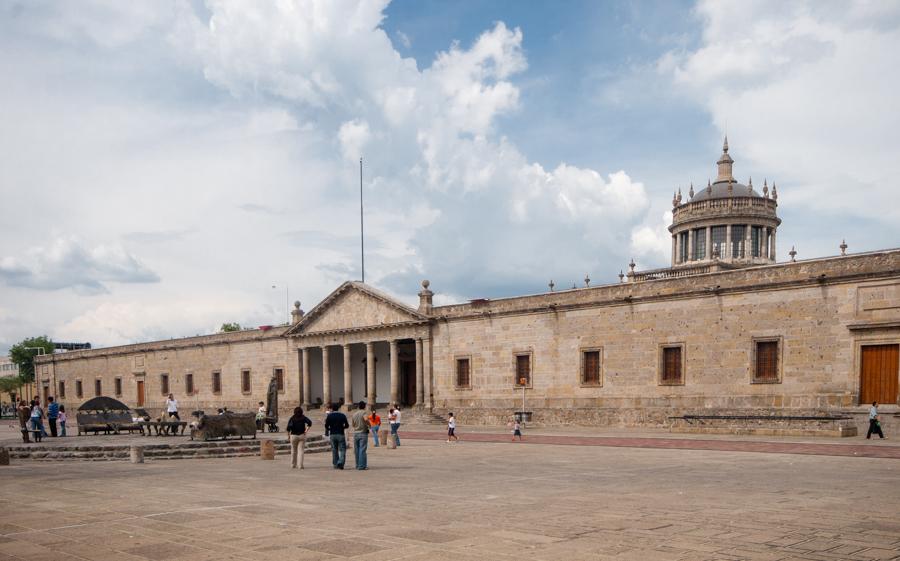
<point>816,449</point>
<point>462,502</point>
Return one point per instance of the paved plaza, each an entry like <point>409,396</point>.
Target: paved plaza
<point>428,500</point>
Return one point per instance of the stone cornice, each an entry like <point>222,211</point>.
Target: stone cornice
<point>229,338</point>
<point>405,330</point>
<point>814,272</point>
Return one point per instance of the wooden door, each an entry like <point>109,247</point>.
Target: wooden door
<point>880,368</point>
<point>140,393</point>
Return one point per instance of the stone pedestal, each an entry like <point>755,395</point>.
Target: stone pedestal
<point>267,450</point>
<point>391,441</point>
<point>137,454</point>
<point>383,436</point>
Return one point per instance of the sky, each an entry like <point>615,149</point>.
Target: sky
<point>166,167</point>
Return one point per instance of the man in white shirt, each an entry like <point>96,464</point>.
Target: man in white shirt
<point>394,418</point>
<point>874,425</point>
<point>172,407</point>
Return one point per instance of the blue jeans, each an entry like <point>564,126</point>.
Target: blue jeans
<point>62,426</point>
<point>394,428</point>
<point>37,425</point>
<point>360,444</point>
<point>375,429</point>
<point>338,449</point>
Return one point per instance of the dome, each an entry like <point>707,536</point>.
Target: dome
<point>719,190</point>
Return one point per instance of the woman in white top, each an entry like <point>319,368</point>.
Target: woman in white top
<point>451,429</point>
<point>394,418</point>
<point>172,407</point>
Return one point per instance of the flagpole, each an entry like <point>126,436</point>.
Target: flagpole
<point>362,246</point>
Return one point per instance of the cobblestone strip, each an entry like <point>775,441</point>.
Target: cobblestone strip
<point>850,450</point>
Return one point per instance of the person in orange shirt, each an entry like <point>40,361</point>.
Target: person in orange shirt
<point>374,425</point>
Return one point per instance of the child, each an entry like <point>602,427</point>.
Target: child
<point>516,430</point>
<point>261,416</point>
<point>62,420</point>
<point>451,429</point>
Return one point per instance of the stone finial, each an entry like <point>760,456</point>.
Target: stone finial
<point>574,286</point>
<point>774,192</point>
<point>843,247</point>
<point>631,265</point>
<point>679,195</point>
<point>691,192</point>
<point>551,285</point>
<point>674,199</point>
<point>765,189</point>
<point>296,313</point>
<point>426,298</point>
<point>708,187</point>
<point>621,276</point>
<point>725,145</point>
<point>725,164</point>
<point>587,280</point>
<point>793,254</point>
<point>750,186</point>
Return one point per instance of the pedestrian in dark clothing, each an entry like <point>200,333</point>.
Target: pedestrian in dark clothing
<point>24,413</point>
<point>335,425</point>
<point>874,423</point>
<point>52,414</point>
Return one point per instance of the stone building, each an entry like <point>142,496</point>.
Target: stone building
<point>724,330</point>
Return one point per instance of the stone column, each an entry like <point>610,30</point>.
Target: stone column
<point>326,377</point>
<point>772,253</point>
<point>420,378</point>
<point>727,255</point>
<point>709,242</point>
<point>348,377</point>
<point>395,374</point>
<point>690,245</point>
<point>370,374</point>
<point>748,246</point>
<point>304,359</point>
<point>674,254</point>
<point>426,349</point>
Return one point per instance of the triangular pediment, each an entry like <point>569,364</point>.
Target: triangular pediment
<point>355,306</point>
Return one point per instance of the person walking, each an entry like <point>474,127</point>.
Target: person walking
<point>24,414</point>
<point>361,436</point>
<point>261,416</point>
<point>62,420</point>
<point>874,423</point>
<point>335,425</point>
<point>394,418</point>
<point>451,429</point>
<point>374,425</point>
<point>172,407</point>
<point>516,430</point>
<point>298,425</point>
<point>52,415</point>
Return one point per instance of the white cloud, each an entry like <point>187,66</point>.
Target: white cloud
<point>807,92</point>
<point>67,263</point>
<point>353,136</point>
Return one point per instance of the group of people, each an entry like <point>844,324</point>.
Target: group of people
<point>31,419</point>
<point>336,423</point>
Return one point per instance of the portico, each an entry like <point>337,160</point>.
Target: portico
<point>359,343</point>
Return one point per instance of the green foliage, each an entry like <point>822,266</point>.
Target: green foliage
<point>23,354</point>
<point>234,326</point>
<point>11,384</point>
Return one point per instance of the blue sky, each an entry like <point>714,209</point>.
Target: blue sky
<point>163,165</point>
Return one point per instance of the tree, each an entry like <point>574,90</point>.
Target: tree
<point>23,354</point>
<point>226,327</point>
<point>11,384</point>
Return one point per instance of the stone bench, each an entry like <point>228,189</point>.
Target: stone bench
<point>762,424</point>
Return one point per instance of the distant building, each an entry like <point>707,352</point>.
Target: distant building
<point>724,331</point>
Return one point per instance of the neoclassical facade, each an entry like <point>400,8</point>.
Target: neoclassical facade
<point>726,329</point>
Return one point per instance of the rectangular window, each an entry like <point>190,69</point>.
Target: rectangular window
<point>756,239</point>
<point>523,370</point>
<point>737,241</point>
<point>189,384</point>
<point>118,386</point>
<point>590,367</point>
<point>164,383</point>
<point>62,390</point>
<point>79,390</point>
<point>217,382</point>
<point>683,242</point>
<point>463,374</point>
<point>671,366</point>
<point>719,234</point>
<point>765,369</point>
<point>245,381</point>
<point>98,387</point>
<point>699,244</point>
<point>279,379</point>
